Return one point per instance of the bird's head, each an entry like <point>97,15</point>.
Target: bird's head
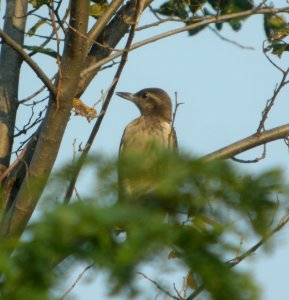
<point>151,102</point>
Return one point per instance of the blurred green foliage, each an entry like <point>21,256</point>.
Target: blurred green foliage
<point>205,203</point>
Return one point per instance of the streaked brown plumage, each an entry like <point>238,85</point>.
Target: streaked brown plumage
<point>153,127</point>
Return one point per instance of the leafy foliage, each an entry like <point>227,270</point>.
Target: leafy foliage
<point>187,10</point>
<point>39,3</point>
<point>276,29</point>
<point>97,9</point>
<point>203,202</point>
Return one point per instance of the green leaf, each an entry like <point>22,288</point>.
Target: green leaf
<point>46,51</point>
<point>276,27</point>
<point>38,3</point>
<point>195,5</point>
<point>231,6</point>
<point>278,48</point>
<point>174,8</point>
<point>98,9</point>
<point>196,30</point>
<point>219,5</point>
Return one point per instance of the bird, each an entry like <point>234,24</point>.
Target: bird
<point>153,128</point>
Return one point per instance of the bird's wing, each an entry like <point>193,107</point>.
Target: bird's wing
<point>173,141</point>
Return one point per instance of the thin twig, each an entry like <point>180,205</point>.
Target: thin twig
<point>159,286</point>
<point>58,57</point>
<point>271,101</point>
<point>217,33</point>
<point>285,219</point>
<point>34,66</point>
<point>202,22</point>
<point>250,142</point>
<point>76,281</point>
<point>235,261</point>
<point>89,41</point>
<point>30,125</point>
<point>250,161</point>
<point>14,164</point>
<point>177,104</point>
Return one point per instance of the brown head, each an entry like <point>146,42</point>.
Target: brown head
<point>151,102</point>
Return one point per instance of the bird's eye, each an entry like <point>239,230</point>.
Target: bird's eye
<point>144,95</point>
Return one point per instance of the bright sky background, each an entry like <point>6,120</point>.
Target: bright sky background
<point>224,90</point>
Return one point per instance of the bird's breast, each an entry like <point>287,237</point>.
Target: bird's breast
<point>142,133</point>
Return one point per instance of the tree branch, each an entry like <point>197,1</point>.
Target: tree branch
<point>250,142</point>
<point>34,66</point>
<point>110,36</point>
<point>202,22</point>
<point>96,30</point>
<point>235,261</point>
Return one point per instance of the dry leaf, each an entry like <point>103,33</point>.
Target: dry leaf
<point>172,255</point>
<point>190,280</point>
<point>83,110</point>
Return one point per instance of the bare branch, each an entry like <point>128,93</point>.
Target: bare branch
<point>278,227</point>
<point>202,22</point>
<point>277,90</point>
<point>235,261</point>
<point>58,57</point>
<point>34,66</point>
<point>250,142</point>
<point>257,159</point>
<point>217,33</point>
<point>159,286</point>
<point>76,281</point>
<point>13,165</point>
<point>110,36</point>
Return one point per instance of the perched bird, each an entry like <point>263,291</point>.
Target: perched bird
<point>152,128</point>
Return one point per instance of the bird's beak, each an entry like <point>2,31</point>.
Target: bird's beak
<point>127,96</point>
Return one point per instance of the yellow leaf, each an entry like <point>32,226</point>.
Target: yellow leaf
<point>97,9</point>
<point>38,3</point>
